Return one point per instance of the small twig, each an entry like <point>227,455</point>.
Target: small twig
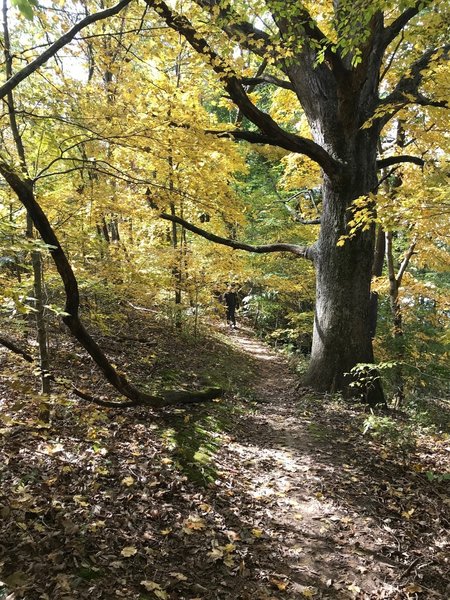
<point>409,568</point>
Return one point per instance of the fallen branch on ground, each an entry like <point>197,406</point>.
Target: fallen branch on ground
<point>168,398</point>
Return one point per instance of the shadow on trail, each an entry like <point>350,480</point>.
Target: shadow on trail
<point>262,495</point>
<point>376,517</point>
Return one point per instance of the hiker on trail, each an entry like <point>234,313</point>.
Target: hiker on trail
<point>231,302</point>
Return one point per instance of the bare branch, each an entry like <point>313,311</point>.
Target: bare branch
<point>7,343</point>
<point>405,262</point>
<point>307,252</point>
<point>13,81</point>
<point>384,178</point>
<point>167,398</point>
<point>391,58</point>
<point>298,218</point>
<point>383,163</point>
<point>422,100</point>
<point>289,141</point>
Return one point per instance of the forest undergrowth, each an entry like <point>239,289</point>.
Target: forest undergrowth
<point>271,492</point>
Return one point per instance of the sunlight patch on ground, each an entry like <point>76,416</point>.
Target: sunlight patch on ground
<point>256,350</point>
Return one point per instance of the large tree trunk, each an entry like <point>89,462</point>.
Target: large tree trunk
<point>342,325</point>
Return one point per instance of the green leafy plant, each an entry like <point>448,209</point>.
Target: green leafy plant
<point>365,375</point>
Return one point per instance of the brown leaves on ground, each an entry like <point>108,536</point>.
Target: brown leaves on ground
<point>275,495</point>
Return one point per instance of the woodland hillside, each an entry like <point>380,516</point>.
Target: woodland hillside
<point>270,492</point>
<point>157,159</point>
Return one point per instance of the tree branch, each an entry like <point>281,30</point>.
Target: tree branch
<point>396,27</point>
<point>407,89</point>
<point>277,136</point>
<point>422,100</point>
<point>383,163</point>
<point>235,27</point>
<point>298,217</point>
<point>168,398</point>
<point>13,81</point>
<point>16,349</point>
<point>307,252</point>
<point>267,80</point>
<point>290,142</point>
<point>405,263</point>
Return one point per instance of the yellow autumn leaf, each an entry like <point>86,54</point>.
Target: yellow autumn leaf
<point>228,561</point>
<point>309,591</point>
<point>257,533</point>
<point>192,524</point>
<point>355,589</point>
<point>102,470</point>
<point>80,500</point>
<point>96,525</point>
<point>178,576</point>
<point>281,585</point>
<point>128,551</point>
<point>152,586</point>
<point>53,448</point>
<point>216,553</point>
<point>413,588</point>
<point>128,481</point>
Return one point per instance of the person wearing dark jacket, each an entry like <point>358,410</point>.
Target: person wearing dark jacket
<point>232,303</point>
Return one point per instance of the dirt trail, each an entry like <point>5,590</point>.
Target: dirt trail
<point>308,492</point>
<point>269,494</point>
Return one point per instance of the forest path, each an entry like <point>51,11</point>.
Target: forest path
<point>311,493</point>
<point>271,493</point>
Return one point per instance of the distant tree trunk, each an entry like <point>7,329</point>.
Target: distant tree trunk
<point>377,271</point>
<point>395,281</point>
<point>177,243</point>
<point>104,230</point>
<point>176,269</point>
<point>16,262</point>
<point>114,227</point>
<point>41,327</point>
